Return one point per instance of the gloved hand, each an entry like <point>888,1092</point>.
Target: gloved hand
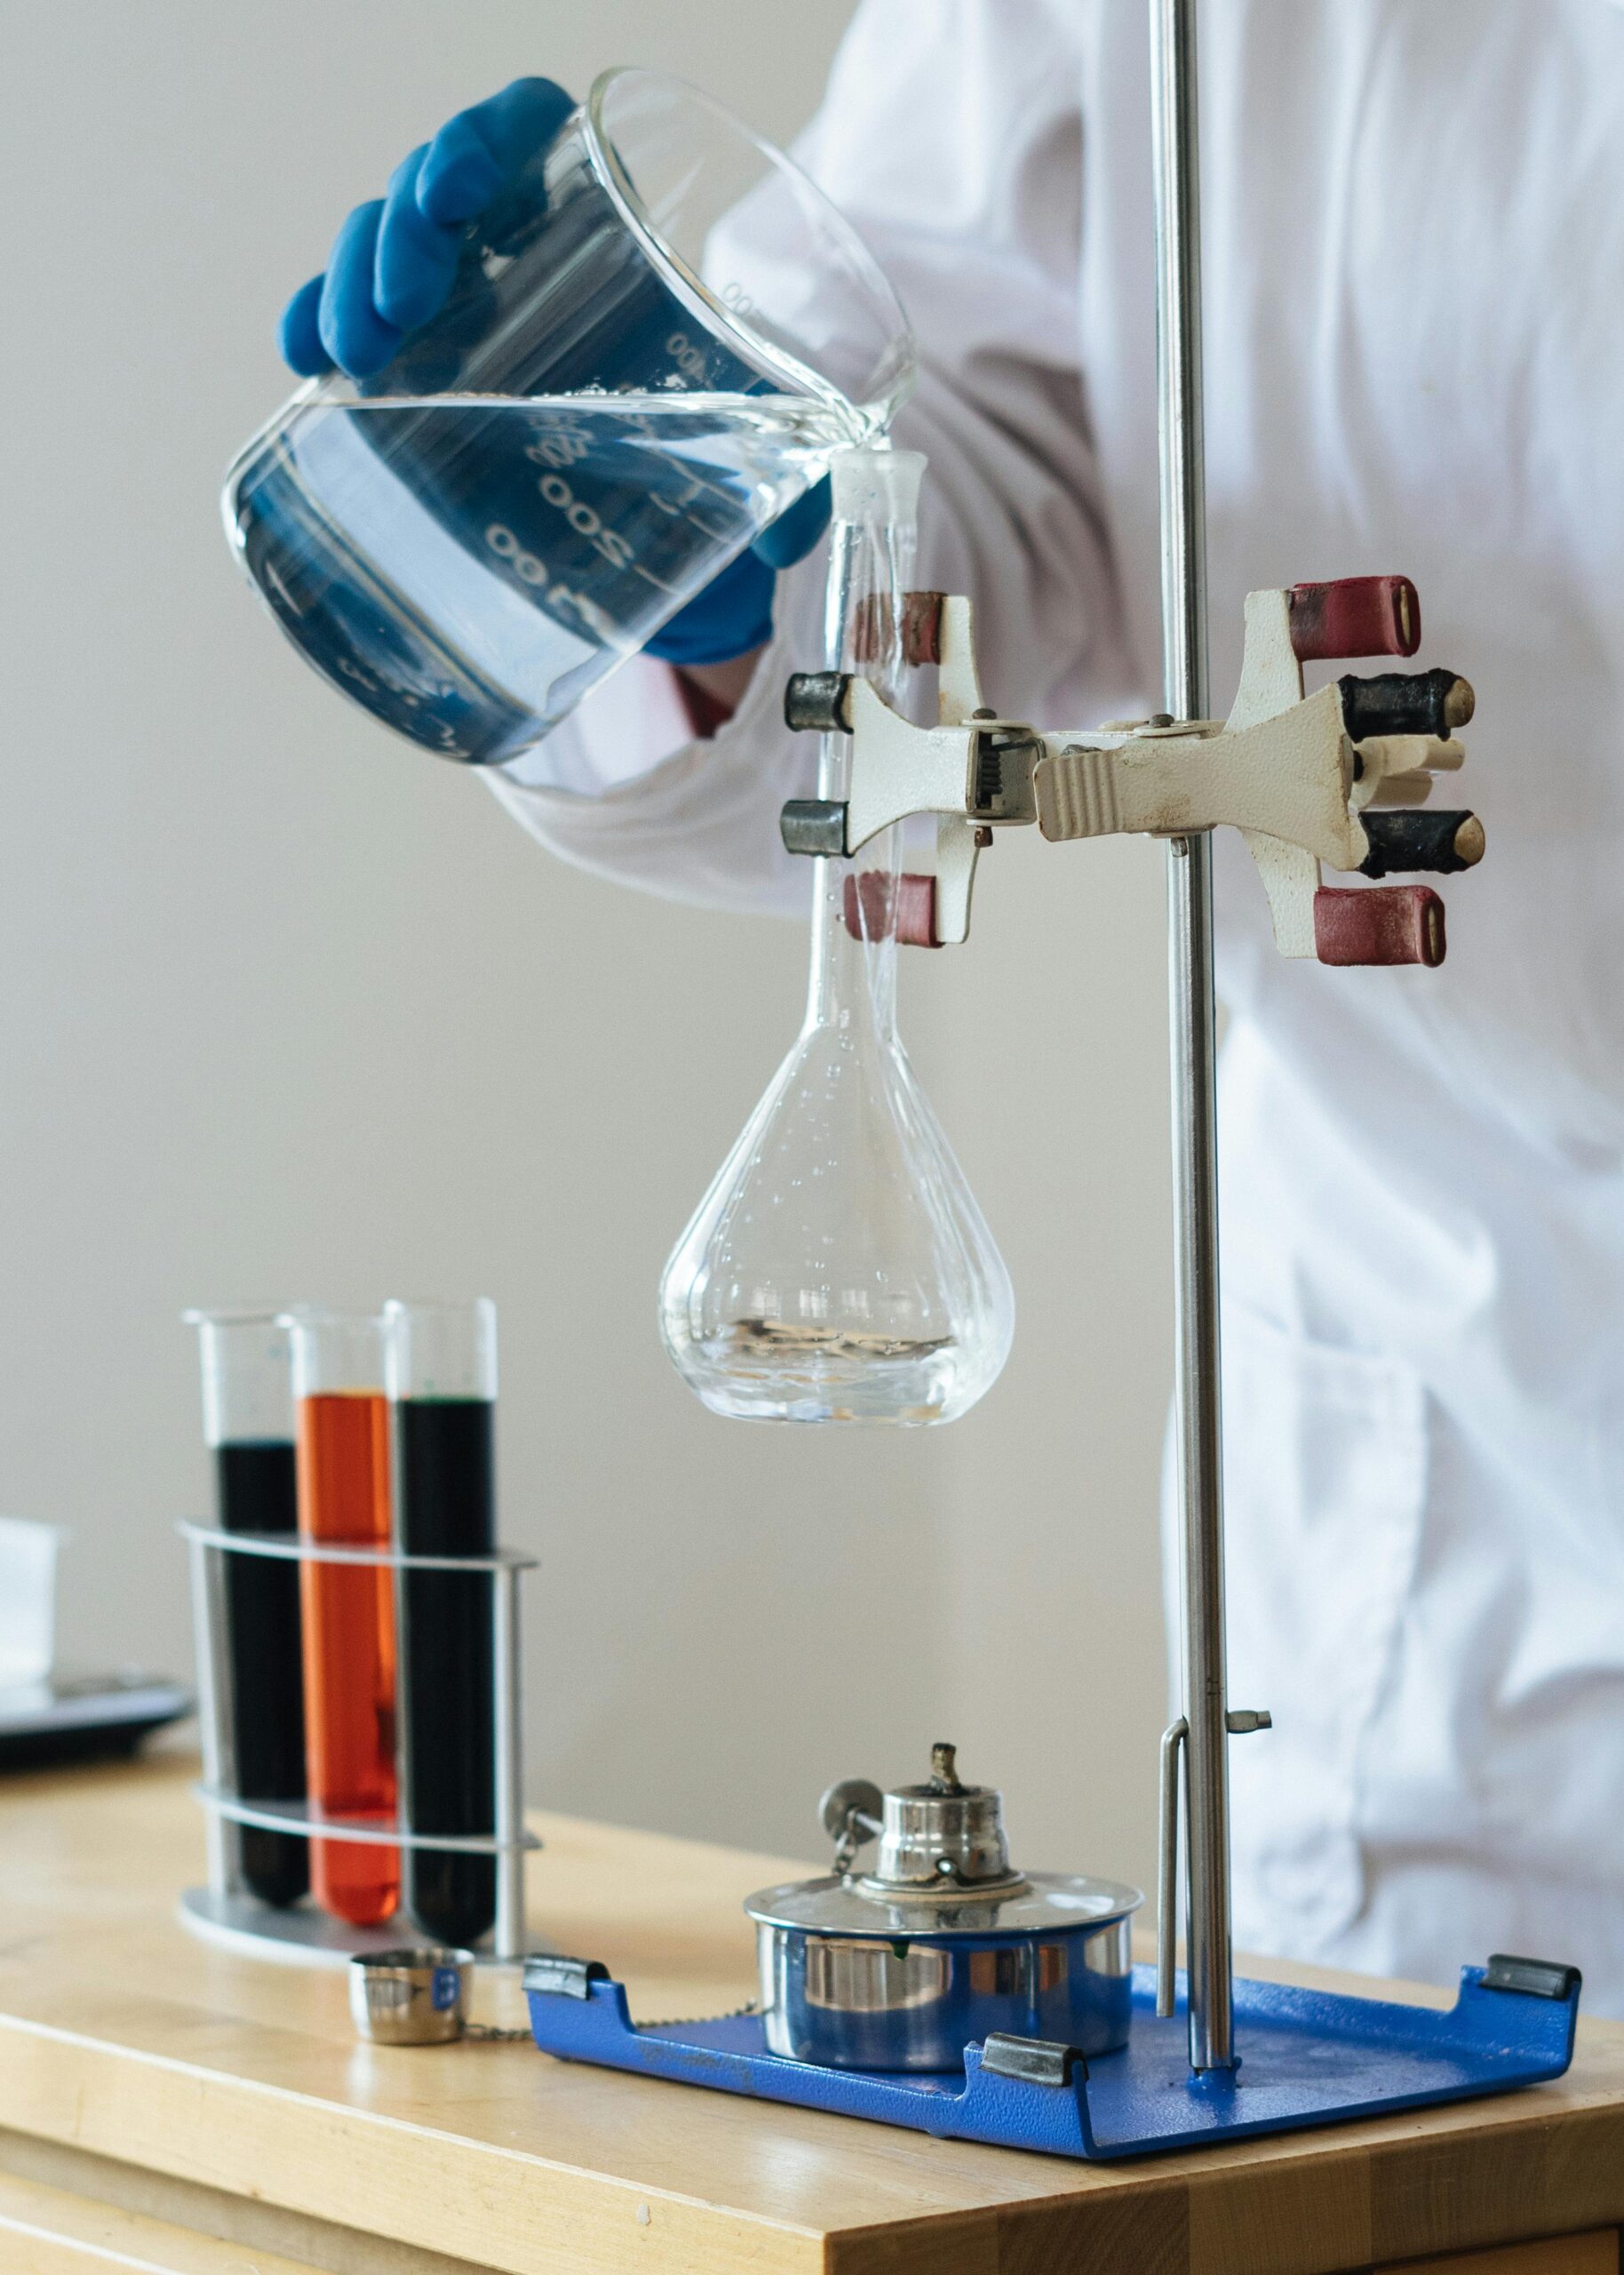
<point>391,270</point>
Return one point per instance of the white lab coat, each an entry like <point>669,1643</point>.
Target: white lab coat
<point>1415,250</point>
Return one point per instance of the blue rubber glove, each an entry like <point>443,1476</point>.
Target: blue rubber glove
<point>391,271</point>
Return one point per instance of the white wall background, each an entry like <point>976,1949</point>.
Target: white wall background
<point>288,1008</point>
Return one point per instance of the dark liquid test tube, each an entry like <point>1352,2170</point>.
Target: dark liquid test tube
<point>248,1411</point>
<point>442,1384</point>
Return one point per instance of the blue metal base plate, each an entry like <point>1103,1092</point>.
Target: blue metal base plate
<point>1307,2058</point>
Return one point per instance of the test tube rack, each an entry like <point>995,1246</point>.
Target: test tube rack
<point>224,1911</point>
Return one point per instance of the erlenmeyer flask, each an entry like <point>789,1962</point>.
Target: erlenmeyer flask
<point>838,1269</point>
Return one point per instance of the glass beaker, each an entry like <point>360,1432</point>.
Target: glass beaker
<point>442,1371</point>
<point>838,1269</point>
<point>248,1427</point>
<point>653,345</point>
<point>343,1468</point>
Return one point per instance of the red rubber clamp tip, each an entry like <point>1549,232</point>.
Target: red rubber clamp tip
<point>1394,924</point>
<point>1356,616</point>
<point>870,914</point>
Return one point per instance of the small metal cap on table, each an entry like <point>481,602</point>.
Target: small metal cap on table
<point>416,1995</point>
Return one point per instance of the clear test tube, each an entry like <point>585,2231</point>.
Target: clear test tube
<point>248,1426</point>
<point>442,1372</point>
<point>343,1467</point>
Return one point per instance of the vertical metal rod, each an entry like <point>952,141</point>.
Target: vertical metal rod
<point>207,1609</point>
<point>508,1703</point>
<point>1176,158</point>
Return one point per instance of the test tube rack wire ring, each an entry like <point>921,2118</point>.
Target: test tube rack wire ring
<point>224,1913</point>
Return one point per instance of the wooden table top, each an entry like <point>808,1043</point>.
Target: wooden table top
<point>123,2035</point>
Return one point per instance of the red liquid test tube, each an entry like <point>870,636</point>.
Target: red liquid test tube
<point>343,1460</point>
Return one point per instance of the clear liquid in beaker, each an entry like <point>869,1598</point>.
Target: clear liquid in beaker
<point>467,567</point>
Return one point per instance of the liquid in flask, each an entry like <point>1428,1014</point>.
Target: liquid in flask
<point>838,1269</point>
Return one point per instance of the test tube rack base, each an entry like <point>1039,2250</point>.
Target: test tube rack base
<point>1307,2058</point>
<point>299,1934</point>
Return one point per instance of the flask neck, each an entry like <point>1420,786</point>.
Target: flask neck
<point>852,983</point>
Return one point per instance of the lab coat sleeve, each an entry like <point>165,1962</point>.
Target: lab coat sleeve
<point>951,136</point>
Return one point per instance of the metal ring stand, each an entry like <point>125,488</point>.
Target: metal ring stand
<point>1198,1402</point>
<point>224,1911</point>
<point>1312,2057</point>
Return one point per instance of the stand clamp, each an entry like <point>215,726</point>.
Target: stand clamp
<point>1337,777</point>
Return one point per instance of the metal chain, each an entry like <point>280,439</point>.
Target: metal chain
<point>489,2033</point>
<point>688,2022</point>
